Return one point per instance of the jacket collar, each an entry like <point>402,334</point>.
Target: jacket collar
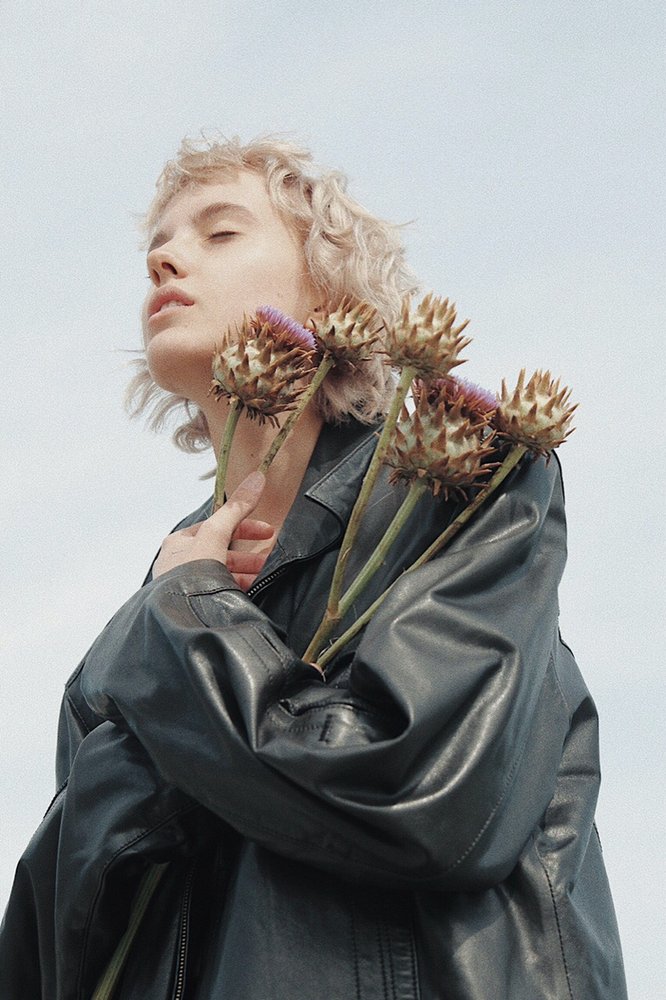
<point>325,499</point>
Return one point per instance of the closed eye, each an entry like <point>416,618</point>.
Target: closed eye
<point>222,234</point>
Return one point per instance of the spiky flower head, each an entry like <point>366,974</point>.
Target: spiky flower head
<point>265,364</point>
<point>439,443</point>
<point>427,338</point>
<point>535,414</point>
<point>477,403</point>
<point>348,333</point>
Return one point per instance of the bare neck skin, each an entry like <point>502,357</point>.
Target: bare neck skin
<point>251,442</point>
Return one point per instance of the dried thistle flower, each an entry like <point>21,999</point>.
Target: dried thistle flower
<point>477,403</point>
<point>423,343</point>
<point>427,339</point>
<point>349,332</point>
<point>263,365</point>
<point>439,443</point>
<point>536,414</point>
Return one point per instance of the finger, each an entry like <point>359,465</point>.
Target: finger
<point>251,529</point>
<point>245,562</point>
<point>241,503</point>
<point>222,524</point>
<point>244,580</point>
<point>246,496</point>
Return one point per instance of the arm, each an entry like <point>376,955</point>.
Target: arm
<point>430,768</point>
<point>76,880</point>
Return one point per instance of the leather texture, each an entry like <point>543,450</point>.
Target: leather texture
<point>418,824</point>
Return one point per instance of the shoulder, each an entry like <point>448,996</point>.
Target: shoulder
<point>530,500</point>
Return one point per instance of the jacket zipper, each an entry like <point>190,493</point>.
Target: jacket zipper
<point>256,588</point>
<point>183,938</point>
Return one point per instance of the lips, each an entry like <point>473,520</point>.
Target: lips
<point>167,298</point>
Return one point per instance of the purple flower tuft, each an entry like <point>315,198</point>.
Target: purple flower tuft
<point>285,328</point>
<point>473,399</point>
<point>481,399</point>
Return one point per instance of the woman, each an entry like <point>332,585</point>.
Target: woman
<point>416,823</point>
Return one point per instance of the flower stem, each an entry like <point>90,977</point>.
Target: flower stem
<point>149,882</point>
<point>335,647</point>
<point>279,439</point>
<point>225,449</point>
<point>332,613</point>
<point>446,536</point>
<point>416,491</point>
<point>463,517</point>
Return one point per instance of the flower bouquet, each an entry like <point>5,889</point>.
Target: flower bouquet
<point>456,439</point>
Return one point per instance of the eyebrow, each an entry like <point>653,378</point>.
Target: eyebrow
<point>227,208</point>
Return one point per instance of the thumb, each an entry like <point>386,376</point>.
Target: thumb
<point>240,504</point>
<point>246,496</point>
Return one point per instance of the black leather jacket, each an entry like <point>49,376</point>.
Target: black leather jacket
<point>419,825</point>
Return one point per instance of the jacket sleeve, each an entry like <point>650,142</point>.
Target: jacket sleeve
<point>76,879</point>
<point>430,767</point>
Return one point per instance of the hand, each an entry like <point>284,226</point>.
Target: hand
<point>212,539</point>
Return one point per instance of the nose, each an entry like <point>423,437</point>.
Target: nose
<point>165,263</point>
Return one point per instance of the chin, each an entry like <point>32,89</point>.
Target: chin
<point>183,373</point>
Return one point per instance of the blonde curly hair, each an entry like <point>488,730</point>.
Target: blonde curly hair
<point>347,251</point>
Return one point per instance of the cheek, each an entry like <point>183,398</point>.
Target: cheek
<point>285,283</point>
<point>144,324</point>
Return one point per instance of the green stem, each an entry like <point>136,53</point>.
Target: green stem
<point>335,647</point>
<point>225,449</point>
<point>416,491</point>
<point>109,981</point>
<point>446,536</point>
<point>463,517</point>
<point>279,439</point>
<point>332,615</point>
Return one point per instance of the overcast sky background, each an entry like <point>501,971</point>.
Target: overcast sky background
<point>525,143</point>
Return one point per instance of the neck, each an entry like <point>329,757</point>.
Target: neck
<point>251,442</point>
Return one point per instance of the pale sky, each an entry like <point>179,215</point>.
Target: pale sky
<point>523,142</point>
